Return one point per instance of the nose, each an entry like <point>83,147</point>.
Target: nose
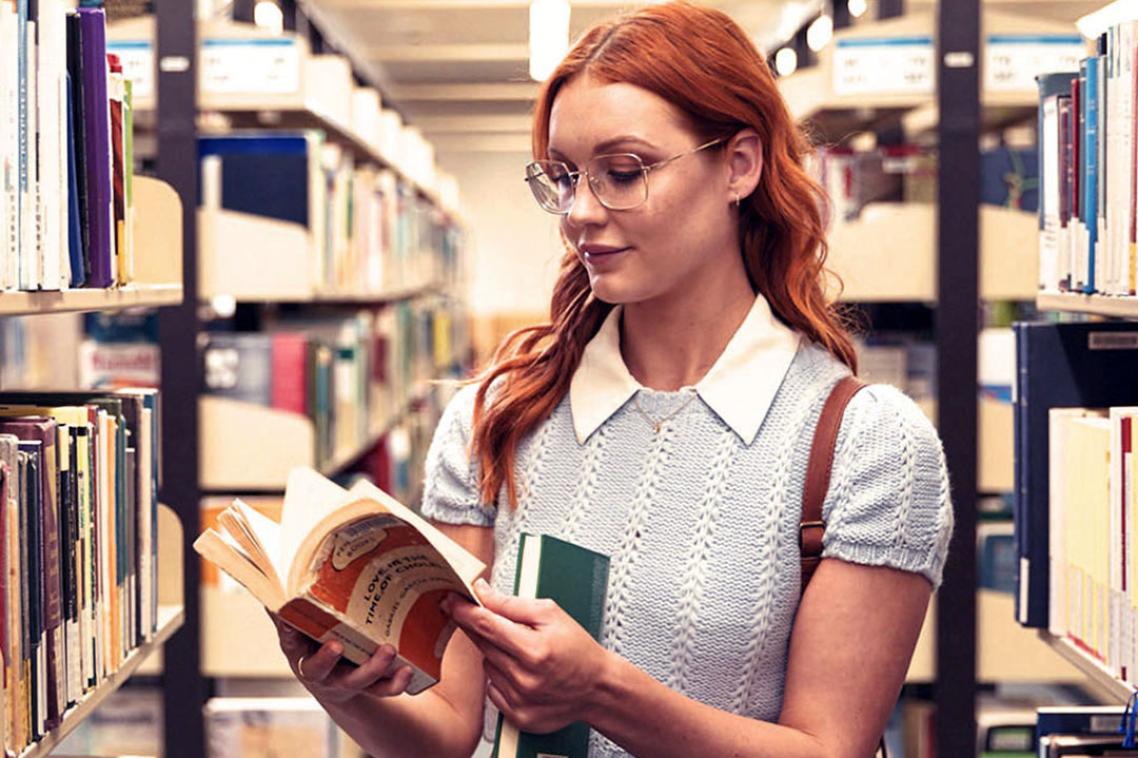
<point>586,209</point>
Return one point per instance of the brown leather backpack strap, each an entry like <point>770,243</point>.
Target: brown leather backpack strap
<point>812,528</point>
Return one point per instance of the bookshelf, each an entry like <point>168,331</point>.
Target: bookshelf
<point>309,92</point>
<point>1089,668</point>
<point>283,440</point>
<point>883,75</point>
<point>171,616</point>
<point>1094,305</point>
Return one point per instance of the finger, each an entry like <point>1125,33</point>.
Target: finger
<point>494,655</point>
<point>396,684</point>
<point>500,701</point>
<point>293,642</point>
<point>317,667</point>
<point>363,676</point>
<point>528,611</point>
<point>504,682</point>
<point>508,635</point>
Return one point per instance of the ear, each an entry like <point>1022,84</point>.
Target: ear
<point>744,154</point>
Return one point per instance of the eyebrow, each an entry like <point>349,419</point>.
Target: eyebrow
<point>612,142</point>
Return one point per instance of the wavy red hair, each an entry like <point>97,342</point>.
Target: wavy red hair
<point>699,60</point>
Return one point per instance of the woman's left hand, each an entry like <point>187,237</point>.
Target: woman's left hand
<point>543,668</point>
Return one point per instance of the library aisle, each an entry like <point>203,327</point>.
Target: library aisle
<point>251,251</point>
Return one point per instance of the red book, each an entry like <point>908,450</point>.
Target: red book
<point>290,372</point>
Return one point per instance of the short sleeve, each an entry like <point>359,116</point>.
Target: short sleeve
<point>450,490</point>
<point>889,501</point>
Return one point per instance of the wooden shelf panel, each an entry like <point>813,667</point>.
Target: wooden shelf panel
<point>1100,677</point>
<point>1007,652</point>
<point>170,619</point>
<point>888,254</point>
<point>1097,305</point>
<point>283,441</point>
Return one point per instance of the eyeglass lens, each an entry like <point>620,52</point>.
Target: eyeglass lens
<point>617,181</point>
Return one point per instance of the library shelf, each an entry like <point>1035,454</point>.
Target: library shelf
<point>1099,676</point>
<point>308,91</point>
<point>834,106</point>
<point>130,296</point>
<point>254,259</point>
<point>1006,651</point>
<point>170,619</point>
<point>171,616</point>
<point>888,253</point>
<point>157,282</point>
<point>1096,305</point>
<point>280,441</point>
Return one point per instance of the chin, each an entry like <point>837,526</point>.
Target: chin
<point>611,290</point>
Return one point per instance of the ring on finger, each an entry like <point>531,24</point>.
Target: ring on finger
<point>300,668</point>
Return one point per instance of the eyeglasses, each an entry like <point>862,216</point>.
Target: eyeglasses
<point>619,181</point>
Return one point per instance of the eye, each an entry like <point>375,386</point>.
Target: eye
<point>622,170</point>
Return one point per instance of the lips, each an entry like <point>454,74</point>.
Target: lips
<point>600,251</point>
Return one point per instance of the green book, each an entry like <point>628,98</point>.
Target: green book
<point>576,579</point>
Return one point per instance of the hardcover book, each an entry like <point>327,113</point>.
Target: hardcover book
<point>577,580</point>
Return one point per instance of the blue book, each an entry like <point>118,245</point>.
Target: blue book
<point>1077,719</point>
<point>1078,365</point>
<point>265,173</point>
<point>1091,158</point>
<point>74,225</point>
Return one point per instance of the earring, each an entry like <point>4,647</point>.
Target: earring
<point>737,200</point>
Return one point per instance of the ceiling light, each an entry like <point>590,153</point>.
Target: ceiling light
<point>857,8</point>
<point>267,15</point>
<point>819,33</point>
<point>548,36</point>
<point>786,61</point>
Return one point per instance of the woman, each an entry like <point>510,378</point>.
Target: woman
<point>664,418</point>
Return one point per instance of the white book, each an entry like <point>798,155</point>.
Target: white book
<point>51,65</point>
<point>1049,175</point>
<point>9,139</point>
<point>30,202</point>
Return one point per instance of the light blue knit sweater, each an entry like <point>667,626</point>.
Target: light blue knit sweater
<point>702,528</point>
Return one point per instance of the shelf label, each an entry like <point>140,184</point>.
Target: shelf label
<point>137,58</point>
<point>226,65</point>
<point>250,65</point>
<point>885,65</point>
<point>1012,61</point>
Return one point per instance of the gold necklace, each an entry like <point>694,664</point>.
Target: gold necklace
<point>657,424</point>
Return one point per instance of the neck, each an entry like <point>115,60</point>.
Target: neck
<point>673,340</point>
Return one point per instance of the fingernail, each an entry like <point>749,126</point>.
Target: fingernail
<point>481,585</point>
<point>446,604</point>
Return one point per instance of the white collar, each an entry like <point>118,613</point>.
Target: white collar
<point>739,387</point>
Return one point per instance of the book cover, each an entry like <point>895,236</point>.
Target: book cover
<point>289,372</point>
<point>1075,365</point>
<point>577,580</point>
<point>43,431</point>
<point>81,244</point>
<point>264,174</point>
<point>240,366</point>
<point>116,91</point>
<point>97,144</point>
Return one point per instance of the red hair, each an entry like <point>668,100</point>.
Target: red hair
<point>699,60</point>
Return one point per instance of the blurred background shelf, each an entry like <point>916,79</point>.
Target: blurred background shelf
<point>888,254</point>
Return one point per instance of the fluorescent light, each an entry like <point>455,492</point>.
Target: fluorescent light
<point>1094,24</point>
<point>548,36</point>
<point>267,15</point>
<point>819,33</point>
<point>857,8</point>
<point>786,61</point>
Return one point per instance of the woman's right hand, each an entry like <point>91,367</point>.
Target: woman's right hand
<point>333,681</point>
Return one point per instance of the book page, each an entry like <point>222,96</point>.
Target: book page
<point>263,535</point>
<point>466,565</point>
<point>309,498</point>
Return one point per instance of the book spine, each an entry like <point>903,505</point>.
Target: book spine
<point>97,126</point>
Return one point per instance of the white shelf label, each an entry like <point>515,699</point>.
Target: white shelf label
<point>137,58</point>
<point>226,65</point>
<point>1012,61</point>
<point>245,65</point>
<point>886,65</point>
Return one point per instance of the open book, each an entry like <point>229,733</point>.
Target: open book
<point>351,565</point>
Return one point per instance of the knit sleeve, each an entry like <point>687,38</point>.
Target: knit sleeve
<point>888,503</point>
<point>450,492</point>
